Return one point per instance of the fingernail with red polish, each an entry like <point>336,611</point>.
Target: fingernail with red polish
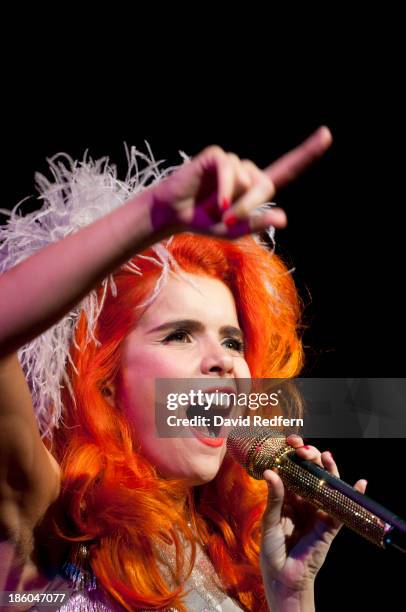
<point>330,453</point>
<point>305,447</point>
<point>225,203</point>
<point>231,219</point>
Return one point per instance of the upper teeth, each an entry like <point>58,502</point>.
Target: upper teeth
<point>214,406</point>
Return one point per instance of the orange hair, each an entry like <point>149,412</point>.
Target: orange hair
<point>113,496</point>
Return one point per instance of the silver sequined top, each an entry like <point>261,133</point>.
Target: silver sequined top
<point>205,594</point>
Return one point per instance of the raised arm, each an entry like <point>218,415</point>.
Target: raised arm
<point>197,197</point>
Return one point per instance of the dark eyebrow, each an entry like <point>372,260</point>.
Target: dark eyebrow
<point>197,326</point>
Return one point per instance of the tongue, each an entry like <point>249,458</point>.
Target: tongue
<point>210,431</point>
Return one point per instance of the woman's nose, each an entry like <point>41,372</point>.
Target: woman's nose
<point>217,362</point>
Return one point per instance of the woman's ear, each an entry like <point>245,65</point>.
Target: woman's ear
<point>109,393</point>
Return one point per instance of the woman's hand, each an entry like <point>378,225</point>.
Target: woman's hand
<point>216,192</point>
<point>296,536</point>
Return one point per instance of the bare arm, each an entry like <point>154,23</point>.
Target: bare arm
<point>40,290</point>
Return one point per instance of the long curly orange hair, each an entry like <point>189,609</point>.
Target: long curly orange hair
<point>113,496</point>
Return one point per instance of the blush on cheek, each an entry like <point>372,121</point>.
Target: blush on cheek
<point>137,372</point>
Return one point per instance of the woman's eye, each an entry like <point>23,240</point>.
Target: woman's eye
<point>177,336</point>
<point>234,344</point>
<point>184,337</point>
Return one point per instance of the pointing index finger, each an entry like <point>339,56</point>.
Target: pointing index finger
<point>288,167</point>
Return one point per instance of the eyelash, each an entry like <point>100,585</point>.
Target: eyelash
<point>238,344</point>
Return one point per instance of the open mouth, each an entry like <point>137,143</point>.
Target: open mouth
<point>208,421</point>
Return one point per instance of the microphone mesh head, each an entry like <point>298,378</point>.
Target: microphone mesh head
<point>256,449</point>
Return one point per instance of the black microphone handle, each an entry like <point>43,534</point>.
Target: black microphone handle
<point>395,535</point>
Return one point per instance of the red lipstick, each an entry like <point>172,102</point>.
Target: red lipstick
<point>214,442</point>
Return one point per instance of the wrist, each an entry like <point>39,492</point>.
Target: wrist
<point>163,218</point>
<point>134,227</point>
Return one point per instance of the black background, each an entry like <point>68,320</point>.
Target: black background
<point>345,235</point>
